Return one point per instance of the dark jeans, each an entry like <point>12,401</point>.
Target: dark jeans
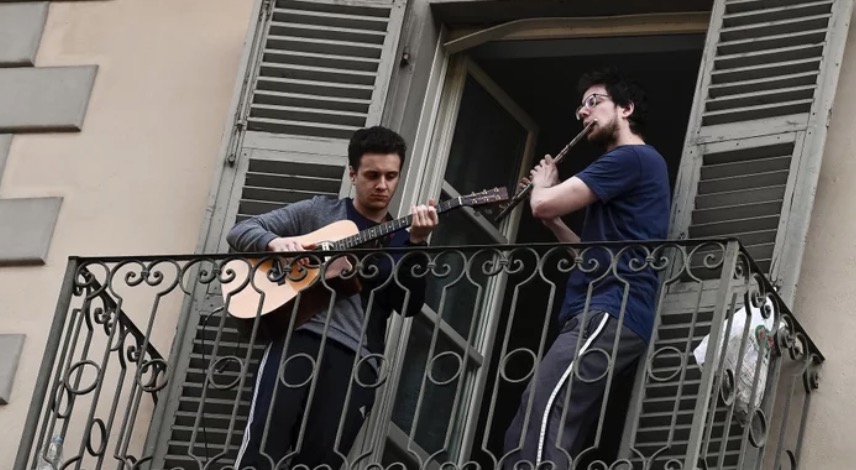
<point>544,430</point>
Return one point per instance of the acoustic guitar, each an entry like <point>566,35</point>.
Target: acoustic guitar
<point>282,287</point>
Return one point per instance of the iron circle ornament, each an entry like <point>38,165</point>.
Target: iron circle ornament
<point>503,364</point>
<point>79,366</point>
<point>284,367</point>
<point>728,387</point>
<point>382,367</point>
<point>580,360</point>
<point>217,367</point>
<point>661,352</point>
<point>459,367</point>
<point>758,429</point>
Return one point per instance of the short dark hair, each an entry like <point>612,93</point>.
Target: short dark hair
<point>623,91</point>
<point>376,139</point>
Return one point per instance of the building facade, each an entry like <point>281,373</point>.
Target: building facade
<point>148,128</point>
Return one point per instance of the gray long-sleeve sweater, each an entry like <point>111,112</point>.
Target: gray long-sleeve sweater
<point>348,315</point>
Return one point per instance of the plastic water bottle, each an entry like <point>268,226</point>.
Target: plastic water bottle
<point>52,458</point>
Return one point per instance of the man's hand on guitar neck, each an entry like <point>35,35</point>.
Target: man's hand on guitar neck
<point>287,244</point>
<point>424,220</point>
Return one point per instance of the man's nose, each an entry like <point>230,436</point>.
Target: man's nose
<point>382,183</point>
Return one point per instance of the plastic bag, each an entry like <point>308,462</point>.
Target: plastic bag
<point>758,346</point>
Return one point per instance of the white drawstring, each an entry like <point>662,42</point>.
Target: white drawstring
<point>559,387</point>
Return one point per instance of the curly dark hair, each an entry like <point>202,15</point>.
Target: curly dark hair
<point>376,139</point>
<point>623,91</point>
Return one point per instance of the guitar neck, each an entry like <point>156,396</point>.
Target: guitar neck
<point>391,226</point>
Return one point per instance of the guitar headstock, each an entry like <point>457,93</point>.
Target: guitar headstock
<point>484,197</point>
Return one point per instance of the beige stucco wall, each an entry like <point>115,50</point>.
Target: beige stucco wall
<point>137,178</point>
<point>826,296</point>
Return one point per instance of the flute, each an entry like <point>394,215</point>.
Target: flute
<point>526,189</point>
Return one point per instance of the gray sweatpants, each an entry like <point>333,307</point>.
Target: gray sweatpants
<point>542,431</point>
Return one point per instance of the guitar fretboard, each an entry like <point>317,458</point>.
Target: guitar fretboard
<point>386,228</point>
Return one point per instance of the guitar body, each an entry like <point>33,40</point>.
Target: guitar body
<point>274,296</point>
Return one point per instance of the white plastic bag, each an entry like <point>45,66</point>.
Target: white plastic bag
<point>758,345</point>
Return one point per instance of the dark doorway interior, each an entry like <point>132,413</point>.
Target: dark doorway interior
<point>541,76</point>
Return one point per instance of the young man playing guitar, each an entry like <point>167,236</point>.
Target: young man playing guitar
<point>290,423</point>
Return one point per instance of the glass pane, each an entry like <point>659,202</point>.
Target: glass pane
<point>459,305</point>
<point>440,389</point>
<point>488,145</point>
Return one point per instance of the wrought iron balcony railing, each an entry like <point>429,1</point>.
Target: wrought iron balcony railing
<point>148,366</point>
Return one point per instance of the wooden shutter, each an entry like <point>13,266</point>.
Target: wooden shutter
<point>749,169</point>
<point>316,71</point>
<point>756,135</point>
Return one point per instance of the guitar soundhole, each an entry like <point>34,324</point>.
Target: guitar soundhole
<point>281,272</point>
<point>276,272</point>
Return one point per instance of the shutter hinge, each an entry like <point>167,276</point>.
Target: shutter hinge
<point>240,125</point>
<point>233,157</point>
<point>267,7</point>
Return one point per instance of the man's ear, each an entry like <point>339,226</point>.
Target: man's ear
<point>352,173</point>
<point>626,112</point>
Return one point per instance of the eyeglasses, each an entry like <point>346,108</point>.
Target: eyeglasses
<point>590,102</point>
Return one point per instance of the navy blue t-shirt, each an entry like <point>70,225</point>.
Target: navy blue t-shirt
<point>631,183</point>
<point>399,238</point>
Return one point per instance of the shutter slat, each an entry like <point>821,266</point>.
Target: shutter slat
<point>775,13</point>
<point>318,116</point>
<point>756,72</point>
<point>730,198</point>
<point>681,417</point>
<point>751,100</point>
<point>742,211</point>
<point>321,74</point>
<point>265,180</point>
<point>279,126</point>
<point>763,84</point>
<point>666,404</point>
<point>713,170</point>
<point>682,431</point>
<point>332,61</point>
<point>762,252</point>
<point>749,152</point>
<point>295,168</point>
<point>184,418</point>
<point>757,112</point>
<point>308,87</point>
<point>369,18</point>
<point>768,56</point>
<point>772,28</point>
<point>756,237</point>
<point>280,196</point>
<point>302,101</point>
<point>777,41</point>
<point>736,6</point>
<point>213,405</point>
<point>750,181</point>
<point>666,390</point>
<point>325,46</point>
<point>352,7</point>
<point>726,228</point>
<point>327,32</point>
